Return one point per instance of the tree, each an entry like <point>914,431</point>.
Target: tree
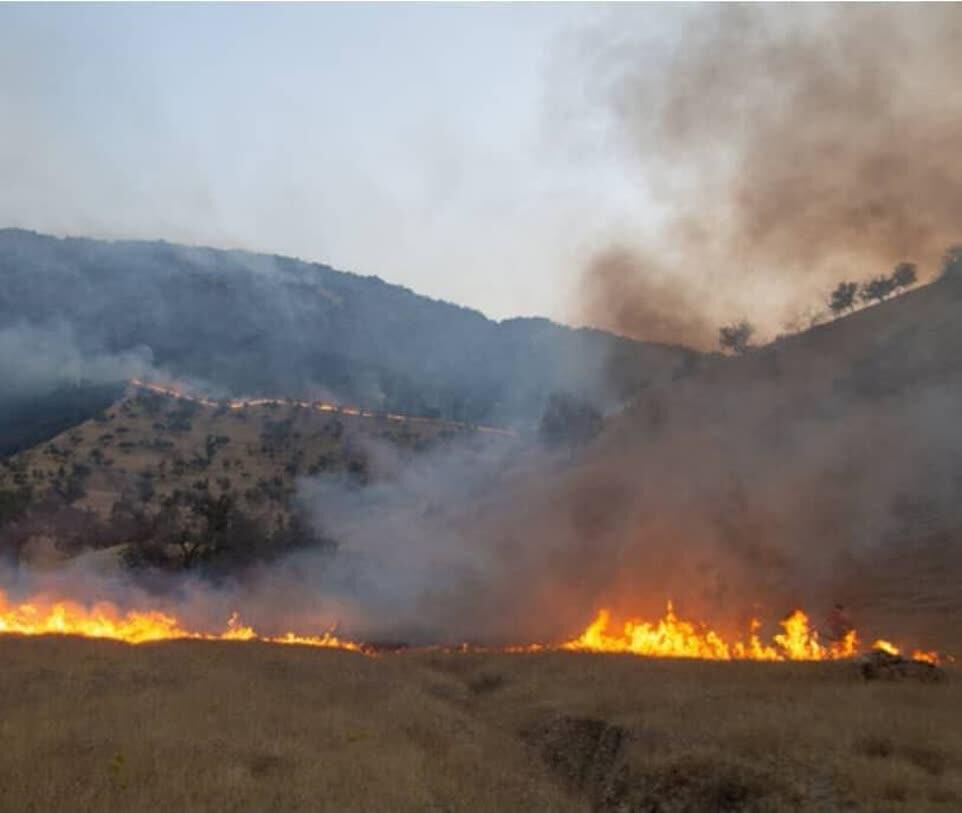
<point>736,337</point>
<point>568,421</point>
<point>876,289</point>
<point>904,275</point>
<point>952,262</point>
<point>14,504</point>
<point>843,297</point>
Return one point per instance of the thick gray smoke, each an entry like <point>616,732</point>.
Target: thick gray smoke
<point>753,486</point>
<point>790,147</point>
<point>408,548</point>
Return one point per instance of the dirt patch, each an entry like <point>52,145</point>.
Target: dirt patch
<point>592,758</point>
<point>587,754</point>
<point>691,783</point>
<point>926,758</point>
<point>486,682</point>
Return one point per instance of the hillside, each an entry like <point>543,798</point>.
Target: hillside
<point>80,310</point>
<point>823,468</point>
<point>151,467</point>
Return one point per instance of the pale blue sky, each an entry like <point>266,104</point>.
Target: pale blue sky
<point>429,144</point>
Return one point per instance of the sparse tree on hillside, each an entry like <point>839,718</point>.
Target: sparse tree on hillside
<point>736,338</point>
<point>904,275</point>
<point>843,297</point>
<point>877,289</point>
<point>14,504</point>
<point>952,262</point>
<point>568,421</point>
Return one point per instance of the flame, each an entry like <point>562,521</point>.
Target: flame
<point>886,647</point>
<point>926,656</point>
<point>669,637</point>
<point>172,391</point>
<point>673,637</point>
<point>105,620</point>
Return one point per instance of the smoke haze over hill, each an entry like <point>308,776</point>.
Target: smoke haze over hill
<point>788,148</point>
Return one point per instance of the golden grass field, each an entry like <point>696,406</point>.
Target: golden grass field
<point>200,726</point>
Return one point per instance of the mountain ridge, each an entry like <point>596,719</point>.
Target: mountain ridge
<point>250,324</point>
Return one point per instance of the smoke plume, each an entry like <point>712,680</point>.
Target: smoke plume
<point>788,147</point>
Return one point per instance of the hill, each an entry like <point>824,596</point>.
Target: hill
<point>90,311</point>
<point>825,467</point>
<point>149,475</point>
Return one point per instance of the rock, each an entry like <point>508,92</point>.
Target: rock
<point>879,665</point>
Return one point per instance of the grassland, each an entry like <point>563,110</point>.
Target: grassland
<point>94,725</point>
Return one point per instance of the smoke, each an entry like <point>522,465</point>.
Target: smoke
<point>788,148</point>
<point>631,296</point>
<point>408,551</point>
<point>36,359</point>
<point>745,489</point>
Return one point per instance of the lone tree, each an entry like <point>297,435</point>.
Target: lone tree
<point>843,297</point>
<point>736,337</point>
<point>952,262</point>
<point>904,275</point>
<point>568,421</point>
<point>877,289</point>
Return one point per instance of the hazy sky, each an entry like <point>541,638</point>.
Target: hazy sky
<point>426,144</point>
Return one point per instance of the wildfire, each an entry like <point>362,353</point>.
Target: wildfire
<point>235,404</point>
<point>928,656</point>
<point>669,637</point>
<point>673,637</point>
<point>105,620</point>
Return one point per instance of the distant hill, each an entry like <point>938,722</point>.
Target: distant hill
<point>150,467</point>
<point>76,311</point>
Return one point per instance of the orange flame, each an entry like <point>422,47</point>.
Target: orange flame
<point>672,637</point>
<point>105,620</point>
<point>927,656</point>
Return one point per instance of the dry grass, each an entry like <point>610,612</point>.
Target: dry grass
<point>218,726</point>
<point>262,443</point>
<point>145,449</point>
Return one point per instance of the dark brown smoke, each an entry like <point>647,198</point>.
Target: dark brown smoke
<point>632,296</point>
<point>791,147</point>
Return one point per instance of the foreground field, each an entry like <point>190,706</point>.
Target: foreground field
<point>94,725</point>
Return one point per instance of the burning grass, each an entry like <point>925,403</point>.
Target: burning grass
<point>671,636</point>
<point>202,725</point>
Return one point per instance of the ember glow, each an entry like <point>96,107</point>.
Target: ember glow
<point>670,637</point>
<point>235,404</point>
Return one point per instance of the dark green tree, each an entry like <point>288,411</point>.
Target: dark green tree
<point>569,421</point>
<point>877,289</point>
<point>736,337</point>
<point>952,262</point>
<point>904,275</point>
<point>843,297</point>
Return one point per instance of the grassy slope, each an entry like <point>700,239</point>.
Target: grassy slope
<point>203,726</point>
<point>256,453</point>
<point>856,369</point>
